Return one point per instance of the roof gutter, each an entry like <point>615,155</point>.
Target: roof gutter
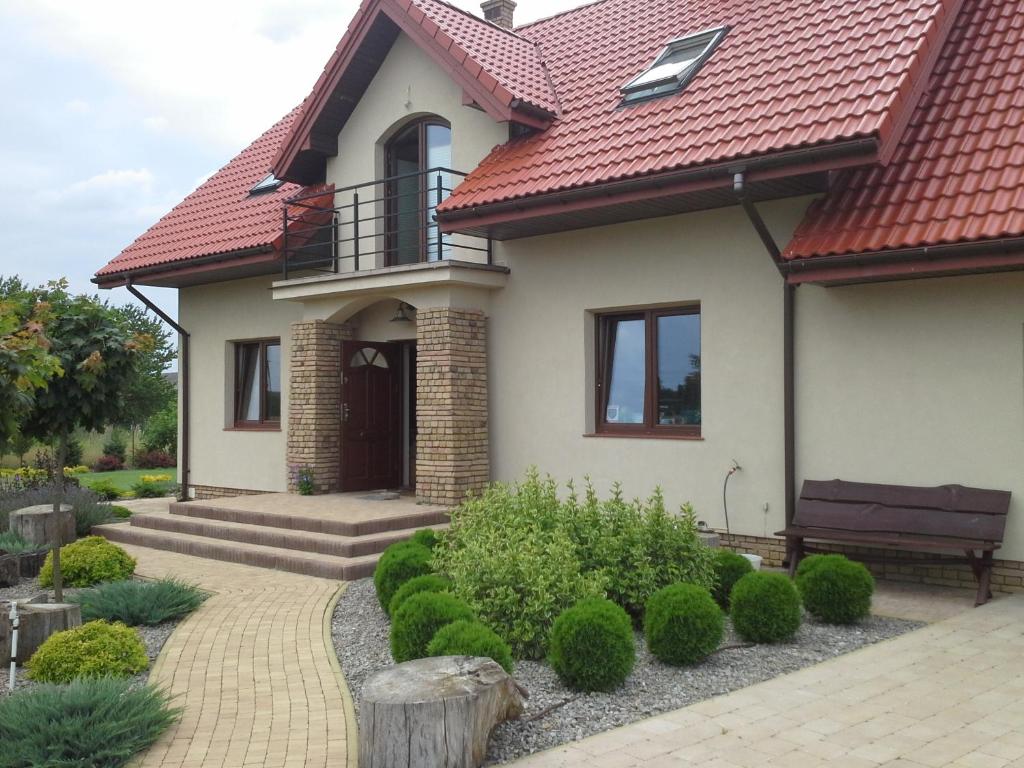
<point>183,375</point>
<point>116,279</point>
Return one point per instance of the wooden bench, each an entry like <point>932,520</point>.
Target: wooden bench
<point>949,517</point>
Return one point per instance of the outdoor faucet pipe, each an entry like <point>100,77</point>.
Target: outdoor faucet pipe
<point>15,622</point>
<point>725,487</point>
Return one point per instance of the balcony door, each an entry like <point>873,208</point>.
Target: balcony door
<point>412,194</point>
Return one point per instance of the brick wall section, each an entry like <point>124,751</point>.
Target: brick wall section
<point>451,404</point>
<point>314,401</point>
<point>1007,575</point>
<point>219,492</point>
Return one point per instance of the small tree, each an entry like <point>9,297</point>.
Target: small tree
<point>97,355</point>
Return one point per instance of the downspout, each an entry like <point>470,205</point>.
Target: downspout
<point>788,385</point>
<point>183,376</point>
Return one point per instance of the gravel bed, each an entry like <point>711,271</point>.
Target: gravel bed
<point>555,715</point>
<point>152,637</point>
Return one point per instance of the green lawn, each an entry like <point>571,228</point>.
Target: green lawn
<point>124,479</point>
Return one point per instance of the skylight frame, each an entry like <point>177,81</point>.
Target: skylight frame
<point>268,183</point>
<point>636,91</point>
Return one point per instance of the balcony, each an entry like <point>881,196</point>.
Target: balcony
<point>377,225</point>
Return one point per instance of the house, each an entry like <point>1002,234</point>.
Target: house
<point>640,240</point>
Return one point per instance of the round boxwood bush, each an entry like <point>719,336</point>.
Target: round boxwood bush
<point>834,589</point>
<point>95,649</point>
<point>419,618</point>
<point>470,638</point>
<point>729,568</point>
<point>399,563</point>
<point>591,647</point>
<point>428,582</point>
<point>89,561</point>
<point>765,607</point>
<point>683,624</point>
<point>425,536</point>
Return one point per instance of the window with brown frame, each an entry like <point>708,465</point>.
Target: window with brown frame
<point>648,372</point>
<point>258,384</point>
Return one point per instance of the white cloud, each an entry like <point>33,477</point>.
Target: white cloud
<point>78,106</point>
<point>155,124</point>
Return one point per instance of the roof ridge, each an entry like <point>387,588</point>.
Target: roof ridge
<point>566,12</point>
<point>482,20</point>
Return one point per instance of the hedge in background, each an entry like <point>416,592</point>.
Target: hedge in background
<point>683,624</point>
<point>419,618</point>
<point>95,649</point>
<point>765,607</point>
<point>399,563</point>
<point>428,582</point>
<point>139,602</point>
<point>729,568</point>
<point>87,723</point>
<point>834,589</point>
<point>89,561</point>
<point>470,638</point>
<point>592,646</point>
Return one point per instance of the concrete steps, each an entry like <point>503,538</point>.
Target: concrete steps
<point>343,544</point>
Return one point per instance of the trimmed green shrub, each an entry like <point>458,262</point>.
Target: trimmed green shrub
<point>729,568</point>
<point>13,543</point>
<point>592,646</point>
<point>834,589</point>
<point>102,722</point>
<point>89,561</point>
<point>105,489</point>
<point>425,536</point>
<point>470,638</point>
<point>399,563</point>
<point>428,582</point>
<point>138,603</point>
<point>683,624</point>
<point>419,618</point>
<point>95,649</point>
<point>122,513</point>
<point>765,607</point>
<point>150,489</point>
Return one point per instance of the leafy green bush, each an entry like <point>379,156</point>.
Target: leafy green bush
<point>161,432</point>
<point>122,513</point>
<point>419,618</point>
<point>425,536</point>
<point>151,489</point>
<point>834,589</point>
<point>107,490</point>
<point>729,568</point>
<point>115,445</point>
<point>95,649</point>
<point>683,624</point>
<point>139,602</point>
<point>428,582</point>
<point>765,607</point>
<point>470,638</point>
<point>13,543</point>
<point>592,647</point>
<point>101,722</point>
<point>398,563</point>
<point>89,561</point>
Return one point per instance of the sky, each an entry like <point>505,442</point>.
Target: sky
<point>113,111</point>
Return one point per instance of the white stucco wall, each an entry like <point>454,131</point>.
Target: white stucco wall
<point>216,315</point>
<point>917,383</point>
<point>542,366</point>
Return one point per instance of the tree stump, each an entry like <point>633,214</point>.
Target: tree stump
<point>31,563</point>
<point>39,525</point>
<point>10,569</point>
<point>434,713</point>
<point>37,621</point>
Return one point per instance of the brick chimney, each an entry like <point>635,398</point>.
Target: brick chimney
<point>499,12</point>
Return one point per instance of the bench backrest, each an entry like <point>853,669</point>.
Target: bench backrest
<point>955,511</point>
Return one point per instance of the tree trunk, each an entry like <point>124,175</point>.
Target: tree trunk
<point>58,501</point>
<point>36,623</point>
<point>436,712</point>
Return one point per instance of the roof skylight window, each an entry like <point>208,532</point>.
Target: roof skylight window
<point>673,67</point>
<point>268,184</point>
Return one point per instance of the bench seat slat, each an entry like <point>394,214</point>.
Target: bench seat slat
<point>888,539</point>
<point>951,498</point>
<point>866,517</point>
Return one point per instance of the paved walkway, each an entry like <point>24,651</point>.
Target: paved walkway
<point>951,694</point>
<point>251,668</point>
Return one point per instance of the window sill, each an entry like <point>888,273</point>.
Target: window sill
<point>255,428</point>
<point>643,436</point>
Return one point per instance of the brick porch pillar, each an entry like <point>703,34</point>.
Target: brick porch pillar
<point>451,404</point>
<point>314,401</point>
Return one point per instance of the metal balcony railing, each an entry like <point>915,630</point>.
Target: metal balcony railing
<point>381,223</point>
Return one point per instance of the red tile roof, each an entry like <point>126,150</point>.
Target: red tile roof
<point>789,74</point>
<point>220,216</point>
<point>958,173</point>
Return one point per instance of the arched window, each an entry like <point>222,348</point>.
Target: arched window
<point>414,189</point>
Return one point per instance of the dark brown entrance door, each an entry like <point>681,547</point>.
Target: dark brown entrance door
<point>371,427</point>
